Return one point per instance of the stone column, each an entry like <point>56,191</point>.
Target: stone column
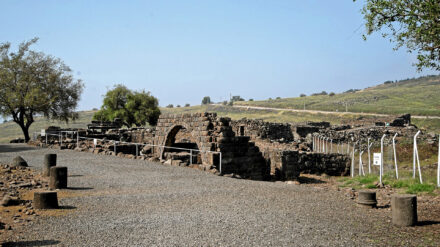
<point>50,160</point>
<point>404,210</point>
<point>58,177</point>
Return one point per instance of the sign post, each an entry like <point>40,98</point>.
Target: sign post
<point>381,160</point>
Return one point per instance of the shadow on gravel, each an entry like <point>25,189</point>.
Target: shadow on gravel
<point>428,222</point>
<point>79,188</point>
<point>72,176</point>
<point>307,180</point>
<point>66,207</point>
<point>11,148</point>
<point>32,243</point>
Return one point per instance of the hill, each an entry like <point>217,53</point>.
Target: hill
<point>420,96</point>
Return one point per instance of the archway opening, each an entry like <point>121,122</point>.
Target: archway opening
<point>179,143</point>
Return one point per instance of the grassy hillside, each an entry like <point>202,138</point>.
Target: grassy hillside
<point>292,117</point>
<point>419,96</point>
<point>11,130</point>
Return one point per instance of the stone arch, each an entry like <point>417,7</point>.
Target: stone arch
<point>171,133</point>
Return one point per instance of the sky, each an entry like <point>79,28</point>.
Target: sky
<point>181,51</point>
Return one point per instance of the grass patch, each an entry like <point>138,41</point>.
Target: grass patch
<point>419,188</point>
<point>405,185</point>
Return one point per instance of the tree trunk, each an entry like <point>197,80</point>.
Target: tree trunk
<point>25,131</point>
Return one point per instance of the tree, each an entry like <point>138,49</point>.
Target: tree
<point>133,108</point>
<point>206,100</point>
<point>170,106</point>
<point>187,105</point>
<point>302,95</point>
<point>411,23</point>
<point>237,98</point>
<point>33,83</point>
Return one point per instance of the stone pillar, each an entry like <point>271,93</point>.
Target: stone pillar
<point>367,198</point>
<point>58,177</point>
<point>50,160</point>
<point>404,210</point>
<point>45,200</point>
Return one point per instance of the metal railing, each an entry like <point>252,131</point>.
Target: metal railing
<point>60,135</point>
<point>320,144</point>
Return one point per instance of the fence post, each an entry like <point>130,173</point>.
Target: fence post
<point>331,145</point>
<point>319,144</point>
<point>137,150</point>
<point>416,157</point>
<point>220,162</point>
<point>61,139</point>
<point>438,163</point>
<point>352,161</point>
<point>369,159</point>
<point>191,157</point>
<point>77,139</point>
<point>313,143</point>
<point>361,166</point>
<point>395,156</point>
<point>381,159</point>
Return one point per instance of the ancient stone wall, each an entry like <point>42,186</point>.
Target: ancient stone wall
<point>212,133</point>
<point>258,129</point>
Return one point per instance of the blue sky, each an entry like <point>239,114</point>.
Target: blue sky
<point>184,50</point>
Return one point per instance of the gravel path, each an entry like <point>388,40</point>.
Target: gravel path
<point>122,202</point>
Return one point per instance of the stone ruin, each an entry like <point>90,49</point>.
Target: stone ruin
<point>251,149</point>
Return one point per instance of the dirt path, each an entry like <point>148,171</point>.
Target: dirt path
<point>328,112</point>
<point>113,201</point>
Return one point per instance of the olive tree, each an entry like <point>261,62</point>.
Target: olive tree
<point>411,23</point>
<point>133,108</point>
<point>33,83</point>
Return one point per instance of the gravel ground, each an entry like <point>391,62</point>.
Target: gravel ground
<point>122,202</point>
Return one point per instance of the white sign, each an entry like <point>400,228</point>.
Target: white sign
<point>95,142</point>
<point>43,132</point>
<point>377,159</point>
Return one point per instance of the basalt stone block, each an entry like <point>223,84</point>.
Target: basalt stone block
<point>19,162</point>
<point>50,160</point>
<point>367,198</point>
<point>404,210</point>
<point>45,200</point>
<point>58,177</point>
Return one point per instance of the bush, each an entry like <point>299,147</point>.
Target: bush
<point>302,95</point>
<point>251,99</point>
<point>177,105</point>
<point>170,106</point>
<point>187,105</point>
<point>321,93</point>
<point>231,103</point>
<point>331,94</point>
<point>237,98</point>
<point>225,102</point>
<point>352,90</point>
<point>278,97</point>
<point>206,100</point>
